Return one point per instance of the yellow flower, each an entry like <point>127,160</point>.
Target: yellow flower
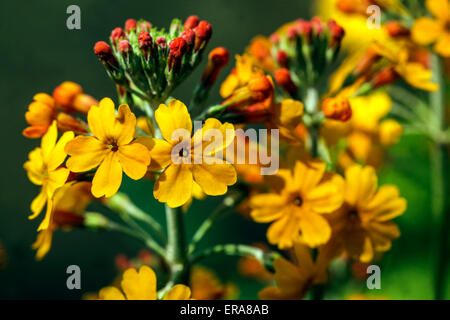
<point>142,286</point>
<point>297,208</point>
<point>427,30</point>
<point>176,183</point>
<point>363,226</point>
<point>295,279</point>
<point>206,286</point>
<point>414,73</point>
<point>44,169</point>
<point>70,201</point>
<point>112,149</point>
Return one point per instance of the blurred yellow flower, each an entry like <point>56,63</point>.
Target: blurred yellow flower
<point>176,183</point>
<point>427,30</point>
<point>363,226</point>
<point>141,285</point>
<point>295,279</point>
<point>111,148</point>
<point>44,169</point>
<point>297,207</point>
<point>206,286</point>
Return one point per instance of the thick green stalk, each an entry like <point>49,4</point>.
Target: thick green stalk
<point>176,246</point>
<point>311,105</point>
<point>437,153</point>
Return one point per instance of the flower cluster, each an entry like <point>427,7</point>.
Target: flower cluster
<point>325,114</point>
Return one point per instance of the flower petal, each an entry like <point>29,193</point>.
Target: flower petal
<point>38,203</point>
<point>58,155</point>
<point>314,228</point>
<point>110,293</point>
<point>48,141</point>
<point>134,159</point>
<point>285,230</point>
<point>160,152</point>
<point>86,153</point>
<point>308,174</point>
<point>108,178</point>
<point>101,118</point>
<point>139,286</point>
<point>443,45</point>
<point>214,179</point>
<point>172,117</point>
<point>178,292</point>
<point>425,30</point>
<point>325,198</point>
<point>438,8</point>
<point>124,125</point>
<point>174,185</point>
<point>266,207</point>
<point>361,184</point>
<point>386,204</point>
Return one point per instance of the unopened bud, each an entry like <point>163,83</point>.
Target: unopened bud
<point>291,33</point>
<point>386,76</point>
<point>303,27</point>
<point>337,108</point>
<point>103,51</point>
<point>145,40</point>
<point>191,22</point>
<point>117,34</point>
<point>65,93</point>
<point>145,26</point>
<point>203,32</point>
<point>337,33</point>
<point>95,220</point>
<point>367,61</point>
<point>282,58</point>
<point>69,123</point>
<point>260,88</point>
<point>275,38</point>
<point>390,132</point>
<point>161,42</point>
<point>130,25</point>
<point>178,48</point>
<point>284,80</point>
<point>124,46</point>
<point>317,25</point>
<point>189,36</point>
<point>396,29</point>
<point>83,103</point>
<point>217,59</point>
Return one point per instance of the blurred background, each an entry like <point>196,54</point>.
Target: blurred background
<point>38,52</point>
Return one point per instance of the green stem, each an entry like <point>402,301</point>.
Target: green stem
<point>240,250</point>
<point>176,246</point>
<point>311,105</point>
<point>229,202</point>
<point>437,153</point>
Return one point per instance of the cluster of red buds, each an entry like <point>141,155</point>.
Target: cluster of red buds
<point>304,51</point>
<point>152,62</point>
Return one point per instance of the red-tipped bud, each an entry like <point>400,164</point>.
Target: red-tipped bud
<point>203,32</point>
<point>303,27</point>
<point>386,76</point>
<point>69,123</point>
<point>291,33</point>
<point>317,25</point>
<point>282,58</point>
<point>337,109</point>
<point>337,33</point>
<point>122,262</point>
<point>217,59</point>
<point>177,48</point>
<point>145,40</point>
<point>189,36</point>
<point>103,51</point>
<point>161,42</point>
<point>275,38</point>
<point>145,256</point>
<point>396,29</point>
<point>124,46</point>
<point>366,61</point>
<point>117,34</point>
<point>261,88</point>
<point>191,22</point>
<point>145,26</point>
<point>130,24</point>
<point>284,80</point>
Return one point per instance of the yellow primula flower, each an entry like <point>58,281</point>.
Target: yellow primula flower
<point>44,169</point>
<point>141,285</point>
<point>112,149</point>
<point>297,208</point>
<point>414,73</point>
<point>363,226</point>
<point>176,183</point>
<point>427,30</point>
<point>295,279</point>
<point>205,285</point>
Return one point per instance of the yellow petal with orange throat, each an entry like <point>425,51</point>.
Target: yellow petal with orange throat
<point>139,285</point>
<point>108,178</point>
<point>160,152</point>
<point>174,185</point>
<point>172,117</point>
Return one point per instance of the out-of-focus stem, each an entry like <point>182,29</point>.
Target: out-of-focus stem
<point>311,104</point>
<point>440,222</point>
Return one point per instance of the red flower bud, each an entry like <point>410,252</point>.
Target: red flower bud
<point>396,29</point>
<point>116,34</point>
<point>189,36</point>
<point>275,38</point>
<point>177,48</point>
<point>282,58</point>
<point>284,80</point>
<point>145,26</point>
<point>103,51</point>
<point>337,109</point>
<point>291,33</point>
<point>337,33</point>
<point>261,88</point>
<point>386,76</point>
<point>317,25</point>
<point>217,59</point>
<point>130,24</point>
<point>145,40</point>
<point>124,46</point>
<point>161,42</point>
<point>203,32</point>
<point>191,22</point>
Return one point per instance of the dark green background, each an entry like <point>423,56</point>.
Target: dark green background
<point>37,52</point>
